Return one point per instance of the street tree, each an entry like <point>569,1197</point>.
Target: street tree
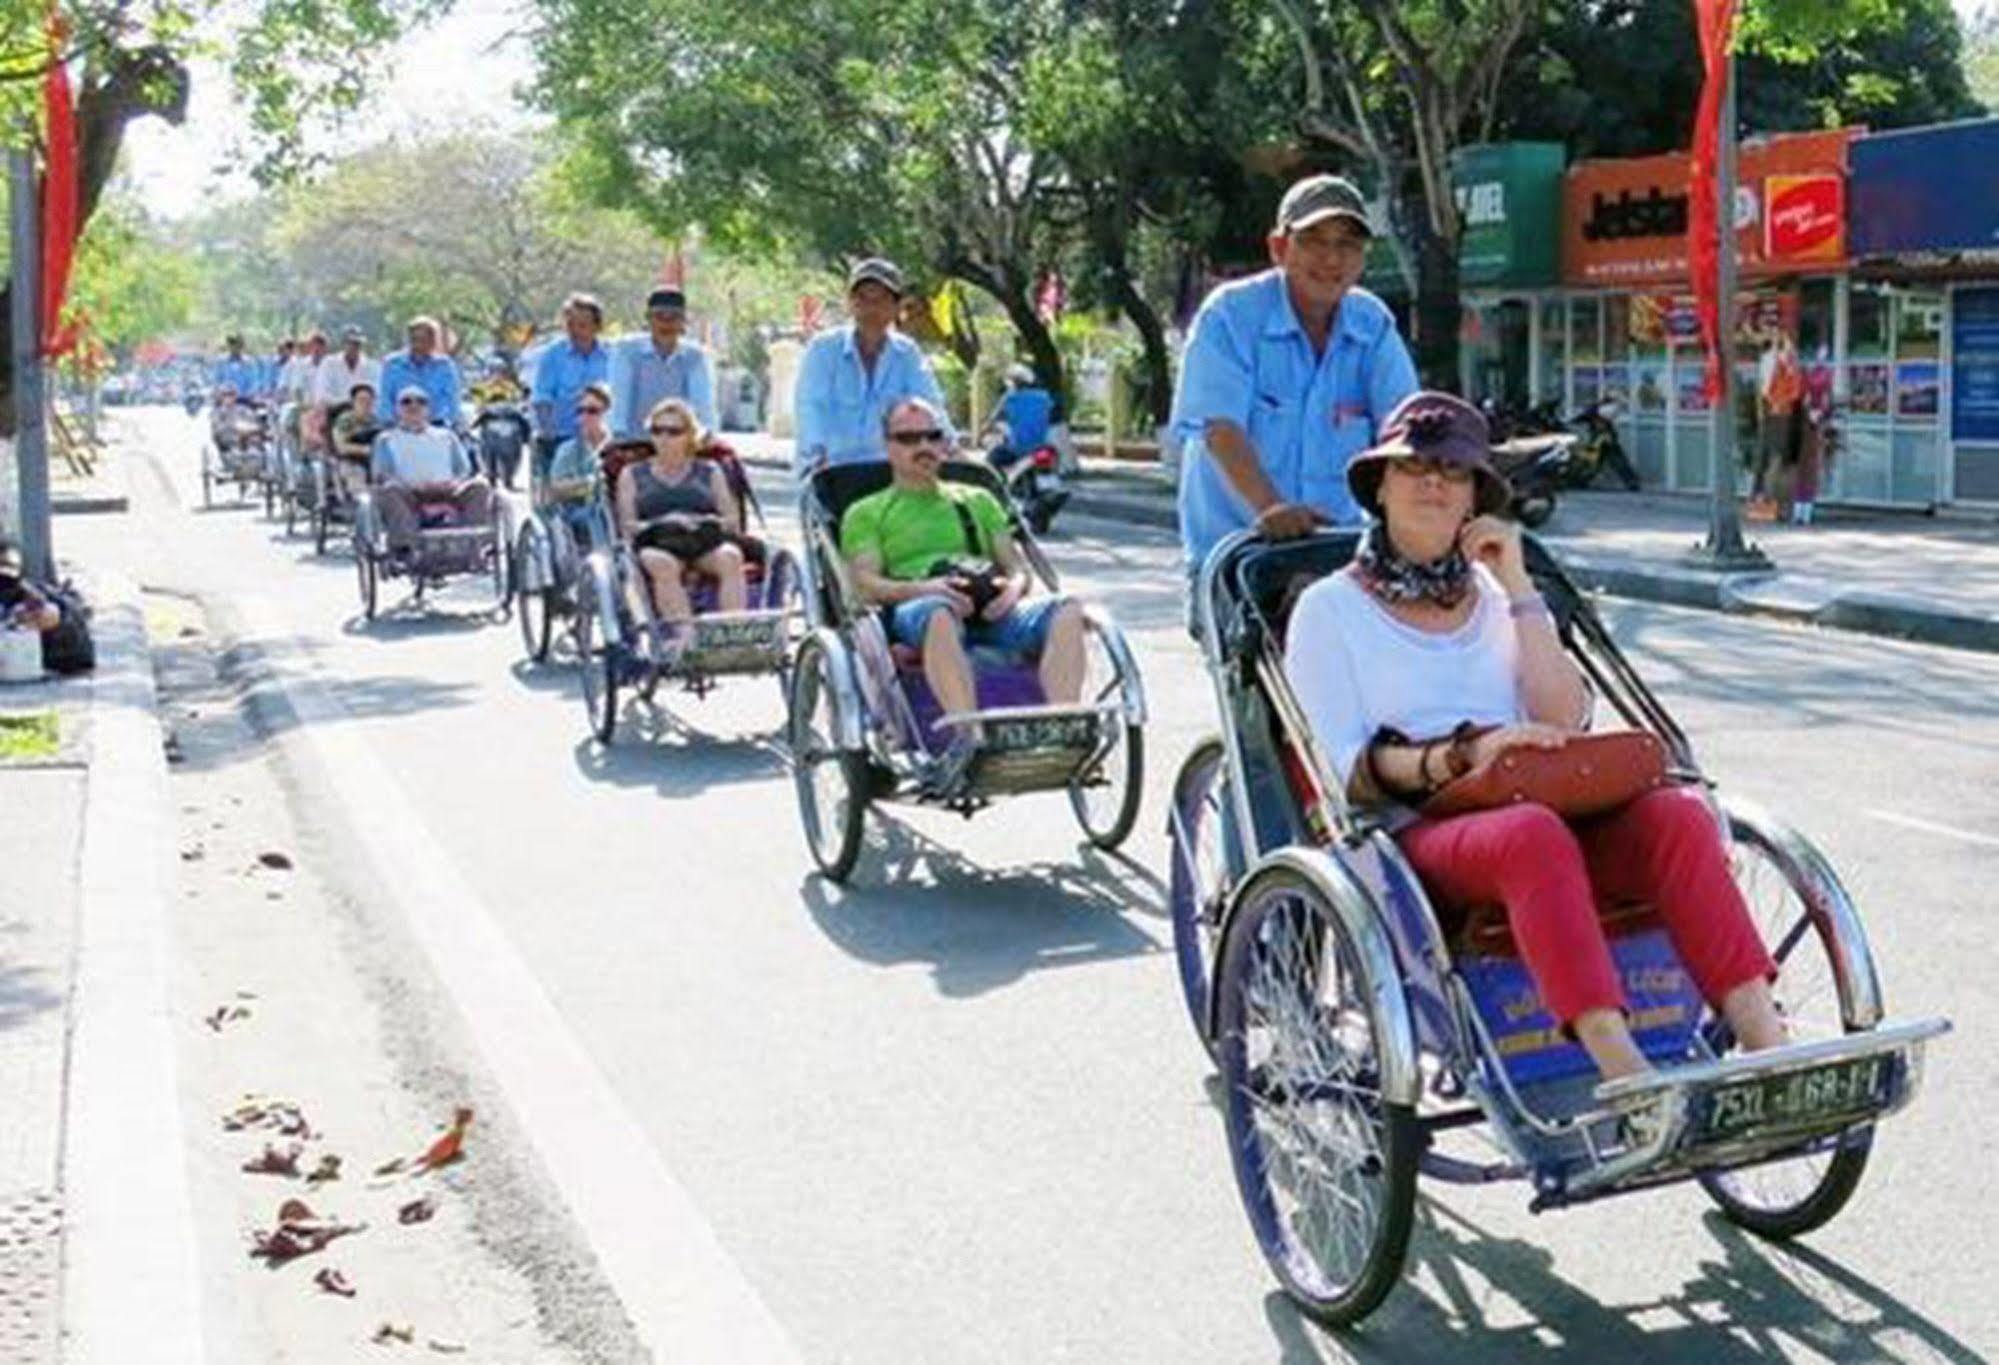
<point>127,280</point>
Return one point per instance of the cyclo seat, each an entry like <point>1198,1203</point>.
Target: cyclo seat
<point>616,457</point>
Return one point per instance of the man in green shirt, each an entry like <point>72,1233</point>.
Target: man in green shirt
<point>938,555</point>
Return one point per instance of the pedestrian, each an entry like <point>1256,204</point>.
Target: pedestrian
<point>1780,388</point>
<point>1817,443</point>
<point>424,365</point>
<point>852,376</point>
<point>561,374</point>
<point>1287,377</point>
<point>658,365</point>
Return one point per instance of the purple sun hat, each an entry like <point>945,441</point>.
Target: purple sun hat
<point>1432,426</point>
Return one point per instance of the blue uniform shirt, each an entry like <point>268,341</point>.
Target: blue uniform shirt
<point>559,377</point>
<point>840,405</point>
<point>641,377</point>
<point>242,372</point>
<point>436,375</point>
<point>1249,362</point>
<point>1026,413</point>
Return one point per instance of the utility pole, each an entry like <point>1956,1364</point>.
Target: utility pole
<point>31,435</point>
<point>1724,549</point>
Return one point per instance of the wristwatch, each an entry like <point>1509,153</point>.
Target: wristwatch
<point>1459,755</point>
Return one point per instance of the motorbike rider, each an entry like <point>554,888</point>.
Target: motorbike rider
<point>561,374</point>
<point>1022,419</point>
<point>661,364</point>
<point>851,376</point>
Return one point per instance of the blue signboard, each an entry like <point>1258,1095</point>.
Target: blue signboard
<point>1920,191</point>
<point>1974,365</point>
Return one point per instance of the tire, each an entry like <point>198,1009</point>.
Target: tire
<point>832,782</point>
<point>598,672</point>
<point>371,580</point>
<point>1040,516</point>
<point>207,486</point>
<point>1534,512</point>
<point>1296,1031</point>
<point>1198,886</point>
<point>1108,812</point>
<point>322,521</point>
<point>1784,1199</point>
<point>270,496</point>
<point>531,606</point>
<point>502,558</point>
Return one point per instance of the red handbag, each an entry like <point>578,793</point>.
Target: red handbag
<point>1589,775</point>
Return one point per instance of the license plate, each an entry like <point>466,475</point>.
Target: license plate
<point>1045,732</point>
<point>1796,1098</point>
<point>1051,483</point>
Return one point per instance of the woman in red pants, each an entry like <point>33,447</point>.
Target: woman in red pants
<point>1436,624</point>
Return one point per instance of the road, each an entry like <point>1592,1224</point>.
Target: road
<point>954,1112</point>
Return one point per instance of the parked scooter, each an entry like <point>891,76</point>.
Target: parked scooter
<point>193,400</point>
<point>1538,469</point>
<point>503,432</point>
<point>1600,448</point>
<point>1034,481</point>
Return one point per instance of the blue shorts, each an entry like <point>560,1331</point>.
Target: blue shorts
<point>1022,631</point>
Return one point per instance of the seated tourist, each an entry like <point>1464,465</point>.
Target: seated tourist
<point>415,464</point>
<point>677,513</point>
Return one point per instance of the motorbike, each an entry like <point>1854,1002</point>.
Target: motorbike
<point>1034,482</point>
<point>193,401</point>
<point>503,431</point>
<point>1600,448</point>
<point>1538,469</point>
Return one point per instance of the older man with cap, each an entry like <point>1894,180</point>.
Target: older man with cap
<point>661,364</point>
<point>562,373</point>
<point>424,365</point>
<point>414,462</point>
<point>1288,375</point>
<point>852,376</point>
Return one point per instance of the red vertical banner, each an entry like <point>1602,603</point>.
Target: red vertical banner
<point>1715,20</point>
<point>59,190</point>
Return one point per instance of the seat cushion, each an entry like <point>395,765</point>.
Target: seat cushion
<point>1001,681</point>
<point>1483,930</point>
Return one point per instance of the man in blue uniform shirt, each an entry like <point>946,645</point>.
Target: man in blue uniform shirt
<point>237,371</point>
<point>1287,376</point>
<point>661,363</point>
<point>852,376</point>
<point>423,365</point>
<point>561,375</point>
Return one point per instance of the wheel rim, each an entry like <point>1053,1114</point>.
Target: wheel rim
<point>586,646</point>
<point>1101,804</point>
<point>532,605</point>
<point>1200,876</point>
<point>1807,993</point>
<point>1302,1064</point>
<point>815,753</point>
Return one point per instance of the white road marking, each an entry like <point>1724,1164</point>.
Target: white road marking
<point>1931,827</point>
<point>129,1287</point>
<point>687,1297</point>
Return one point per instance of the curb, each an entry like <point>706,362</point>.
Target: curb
<point>1777,596</point>
<point>130,1288</point>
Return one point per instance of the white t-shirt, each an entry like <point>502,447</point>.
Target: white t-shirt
<point>337,379</point>
<point>1356,669</point>
<point>432,455</point>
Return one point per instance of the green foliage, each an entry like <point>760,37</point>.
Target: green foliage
<point>1981,56</point>
<point>133,286</point>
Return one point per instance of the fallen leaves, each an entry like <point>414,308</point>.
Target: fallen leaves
<point>264,1111</point>
<point>327,1169</point>
<point>276,861</point>
<point>417,1211</point>
<point>275,1162</point>
<point>333,1282</point>
<point>299,1232</point>
<point>225,1014</point>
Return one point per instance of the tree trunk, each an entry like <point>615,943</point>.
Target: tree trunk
<point>1158,364</point>
<point>1439,310</point>
<point>1012,289</point>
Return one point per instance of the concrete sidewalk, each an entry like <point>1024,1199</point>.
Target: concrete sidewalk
<point>96,1259</point>
<point>1879,573</point>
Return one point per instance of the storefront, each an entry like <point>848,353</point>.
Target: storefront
<point>1923,373</point>
<point>1623,327</point>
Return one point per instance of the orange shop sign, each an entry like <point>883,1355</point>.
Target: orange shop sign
<point>1624,222</point>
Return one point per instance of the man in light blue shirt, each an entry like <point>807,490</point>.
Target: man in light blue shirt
<point>660,364</point>
<point>562,372</point>
<point>1287,376</point>
<point>236,370</point>
<point>422,365</point>
<point>852,376</point>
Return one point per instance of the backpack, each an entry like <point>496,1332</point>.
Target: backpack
<point>68,648</point>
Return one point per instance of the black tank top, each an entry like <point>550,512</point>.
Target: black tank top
<point>693,493</point>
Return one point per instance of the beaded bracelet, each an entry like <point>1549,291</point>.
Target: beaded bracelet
<point>1528,604</point>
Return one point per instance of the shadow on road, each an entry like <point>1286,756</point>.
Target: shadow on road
<point>1754,1302</point>
<point>660,750</point>
<point>981,928</point>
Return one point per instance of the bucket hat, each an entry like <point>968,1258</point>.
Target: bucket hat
<point>1431,426</point>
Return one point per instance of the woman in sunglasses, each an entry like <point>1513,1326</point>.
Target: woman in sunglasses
<point>1431,655</point>
<point>676,512</point>
<point>572,475</point>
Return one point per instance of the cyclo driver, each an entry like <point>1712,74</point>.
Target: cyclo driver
<point>416,463</point>
<point>937,558</point>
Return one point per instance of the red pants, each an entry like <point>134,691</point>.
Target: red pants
<point>1663,849</point>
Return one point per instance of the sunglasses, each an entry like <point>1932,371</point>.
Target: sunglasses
<point>412,403</point>
<point>590,410</point>
<point>662,429</point>
<point>1417,466</point>
<point>928,436</point>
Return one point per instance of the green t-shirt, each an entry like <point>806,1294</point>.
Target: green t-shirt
<point>910,531</point>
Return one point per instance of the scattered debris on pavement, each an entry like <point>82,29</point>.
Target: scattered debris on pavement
<point>389,1332</point>
<point>447,1148</point>
<point>264,1111</point>
<point>275,1162</point>
<point>299,1232</point>
<point>276,861</point>
<point>327,1169</point>
<point>225,1014</point>
<point>333,1281</point>
<point>417,1211</point>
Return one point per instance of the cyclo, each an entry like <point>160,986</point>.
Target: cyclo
<point>445,545</point>
<point>1364,1038</point>
<point>331,473</point>
<point>866,727</point>
<point>615,647</point>
<point>238,451</point>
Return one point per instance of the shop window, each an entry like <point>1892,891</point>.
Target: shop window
<point>1554,348</point>
<point>1617,328</point>
<point>1867,322</point>
<point>1586,331</point>
<point>1815,320</point>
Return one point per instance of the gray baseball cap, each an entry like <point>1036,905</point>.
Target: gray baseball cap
<point>1319,197</point>
<point>876,270</point>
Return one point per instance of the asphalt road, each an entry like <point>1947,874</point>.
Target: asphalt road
<point>955,1113</point>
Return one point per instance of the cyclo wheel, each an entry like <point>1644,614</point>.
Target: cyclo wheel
<point>1198,886</point>
<point>500,553</point>
<point>832,782</point>
<point>598,673</point>
<point>1785,1199</point>
<point>1107,808</point>
<point>207,482</point>
<point>1325,1164</point>
<point>370,576</point>
<point>531,605</point>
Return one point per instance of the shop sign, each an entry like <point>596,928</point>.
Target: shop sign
<point>1922,194</point>
<point>1663,319</point>
<point>1625,221</point>
<point>1509,200</point>
<point>1805,218</point>
<point>1974,380</point>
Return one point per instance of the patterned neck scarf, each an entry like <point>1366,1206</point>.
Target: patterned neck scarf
<point>1392,578</point>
